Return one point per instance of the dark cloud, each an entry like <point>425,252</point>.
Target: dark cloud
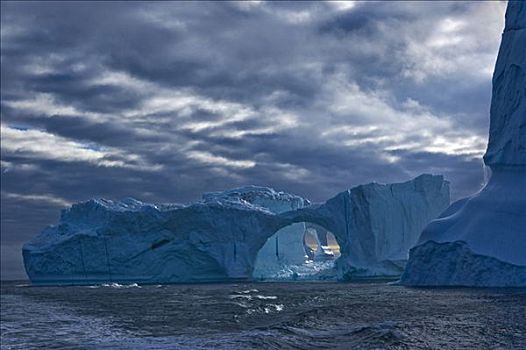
<point>163,101</point>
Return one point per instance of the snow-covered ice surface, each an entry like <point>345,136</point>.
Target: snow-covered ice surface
<point>481,240</point>
<point>229,235</point>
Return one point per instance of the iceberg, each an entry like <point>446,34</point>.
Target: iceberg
<point>232,235</point>
<point>481,240</point>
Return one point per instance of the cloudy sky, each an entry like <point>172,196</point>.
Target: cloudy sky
<point>164,101</point>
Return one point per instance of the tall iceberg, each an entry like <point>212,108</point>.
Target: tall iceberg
<point>481,240</point>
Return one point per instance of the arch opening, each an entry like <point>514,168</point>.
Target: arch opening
<point>320,244</point>
<point>298,251</point>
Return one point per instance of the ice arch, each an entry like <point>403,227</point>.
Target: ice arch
<point>285,255</point>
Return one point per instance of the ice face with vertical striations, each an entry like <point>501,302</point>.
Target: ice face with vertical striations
<point>481,240</point>
<point>507,132</point>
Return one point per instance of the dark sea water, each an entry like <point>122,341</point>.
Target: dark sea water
<point>261,316</point>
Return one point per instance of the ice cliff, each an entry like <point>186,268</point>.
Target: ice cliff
<point>481,240</point>
<point>232,235</point>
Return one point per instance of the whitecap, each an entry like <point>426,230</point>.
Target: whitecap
<point>118,285</point>
<point>248,291</point>
<point>266,297</point>
<point>236,296</point>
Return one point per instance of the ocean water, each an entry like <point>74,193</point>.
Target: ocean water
<point>261,316</point>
